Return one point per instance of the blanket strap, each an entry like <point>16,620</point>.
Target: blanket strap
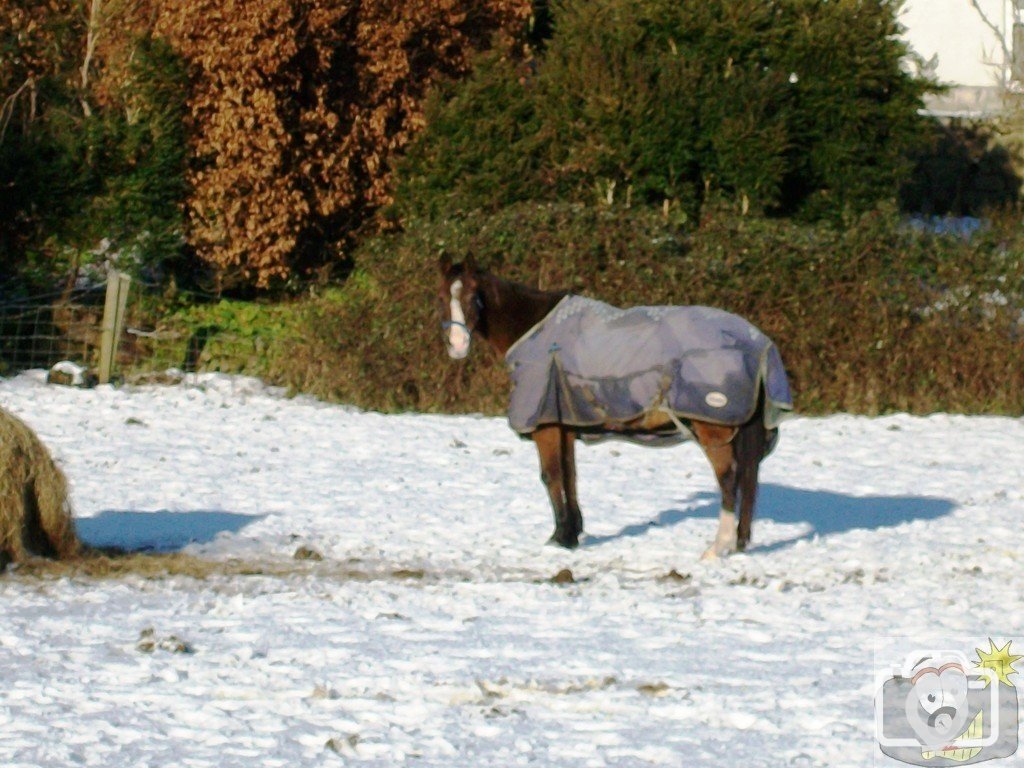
<point>685,431</point>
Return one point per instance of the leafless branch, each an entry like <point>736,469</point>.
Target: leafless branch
<point>91,36</point>
<point>1000,35</point>
<point>7,109</point>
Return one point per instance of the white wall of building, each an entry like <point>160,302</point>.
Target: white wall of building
<point>969,51</point>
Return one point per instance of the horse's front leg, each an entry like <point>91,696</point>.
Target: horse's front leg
<point>717,445</point>
<point>556,467</point>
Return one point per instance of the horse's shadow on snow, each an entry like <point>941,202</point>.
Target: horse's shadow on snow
<point>825,512</point>
<point>159,531</point>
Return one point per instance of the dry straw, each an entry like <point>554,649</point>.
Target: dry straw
<point>35,514</point>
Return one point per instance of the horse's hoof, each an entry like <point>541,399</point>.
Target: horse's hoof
<point>714,553</point>
<point>563,541</point>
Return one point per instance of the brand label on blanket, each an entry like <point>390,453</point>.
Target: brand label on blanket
<point>716,399</point>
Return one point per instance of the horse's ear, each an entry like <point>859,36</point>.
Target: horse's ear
<point>445,262</point>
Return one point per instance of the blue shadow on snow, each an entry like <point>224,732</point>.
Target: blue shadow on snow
<point>161,530</point>
<point>826,512</point>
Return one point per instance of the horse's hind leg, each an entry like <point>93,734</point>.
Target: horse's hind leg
<point>749,455</point>
<point>569,478</point>
<point>751,442</point>
<point>717,445</point>
<point>551,449</point>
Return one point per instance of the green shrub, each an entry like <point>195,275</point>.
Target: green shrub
<point>662,101</point>
<point>194,333</point>
<point>854,120</point>
<point>871,318</point>
<point>484,148</point>
<point>141,182</point>
<point>103,185</point>
<point>967,169</point>
<point>795,106</point>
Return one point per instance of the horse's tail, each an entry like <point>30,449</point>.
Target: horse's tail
<point>752,443</point>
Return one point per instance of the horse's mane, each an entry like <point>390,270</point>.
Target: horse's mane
<point>520,290</point>
<point>511,308</point>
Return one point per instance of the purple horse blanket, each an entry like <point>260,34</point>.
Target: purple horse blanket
<point>588,364</point>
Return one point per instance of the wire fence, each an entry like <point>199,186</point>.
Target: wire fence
<point>39,331</point>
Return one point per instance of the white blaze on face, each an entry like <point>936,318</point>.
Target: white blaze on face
<point>458,336</point>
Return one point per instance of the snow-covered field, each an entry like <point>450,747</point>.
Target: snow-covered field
<point>431,633</point>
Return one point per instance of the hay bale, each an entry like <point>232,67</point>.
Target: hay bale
<point>35,513</point>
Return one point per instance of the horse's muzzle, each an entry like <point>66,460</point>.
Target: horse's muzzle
<point>459,339</point>
<point>458,353</point>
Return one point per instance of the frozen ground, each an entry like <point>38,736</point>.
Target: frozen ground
<point>431,634</point>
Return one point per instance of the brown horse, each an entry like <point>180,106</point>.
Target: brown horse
<point>477,303</point>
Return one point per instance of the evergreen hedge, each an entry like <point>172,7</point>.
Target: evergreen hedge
<point>874,317</point>
<point>791,106</point>
<point>99,184</point>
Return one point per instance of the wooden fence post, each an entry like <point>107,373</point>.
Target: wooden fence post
<point>118,284</point>
<point>1017,51</point>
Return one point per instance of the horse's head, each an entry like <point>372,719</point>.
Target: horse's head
<point>461,305</point>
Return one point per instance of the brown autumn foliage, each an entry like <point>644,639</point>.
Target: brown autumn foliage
<point>297,107</point>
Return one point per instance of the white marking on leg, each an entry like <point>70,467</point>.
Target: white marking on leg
<point>725,539</point>
<point>458,336</point>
